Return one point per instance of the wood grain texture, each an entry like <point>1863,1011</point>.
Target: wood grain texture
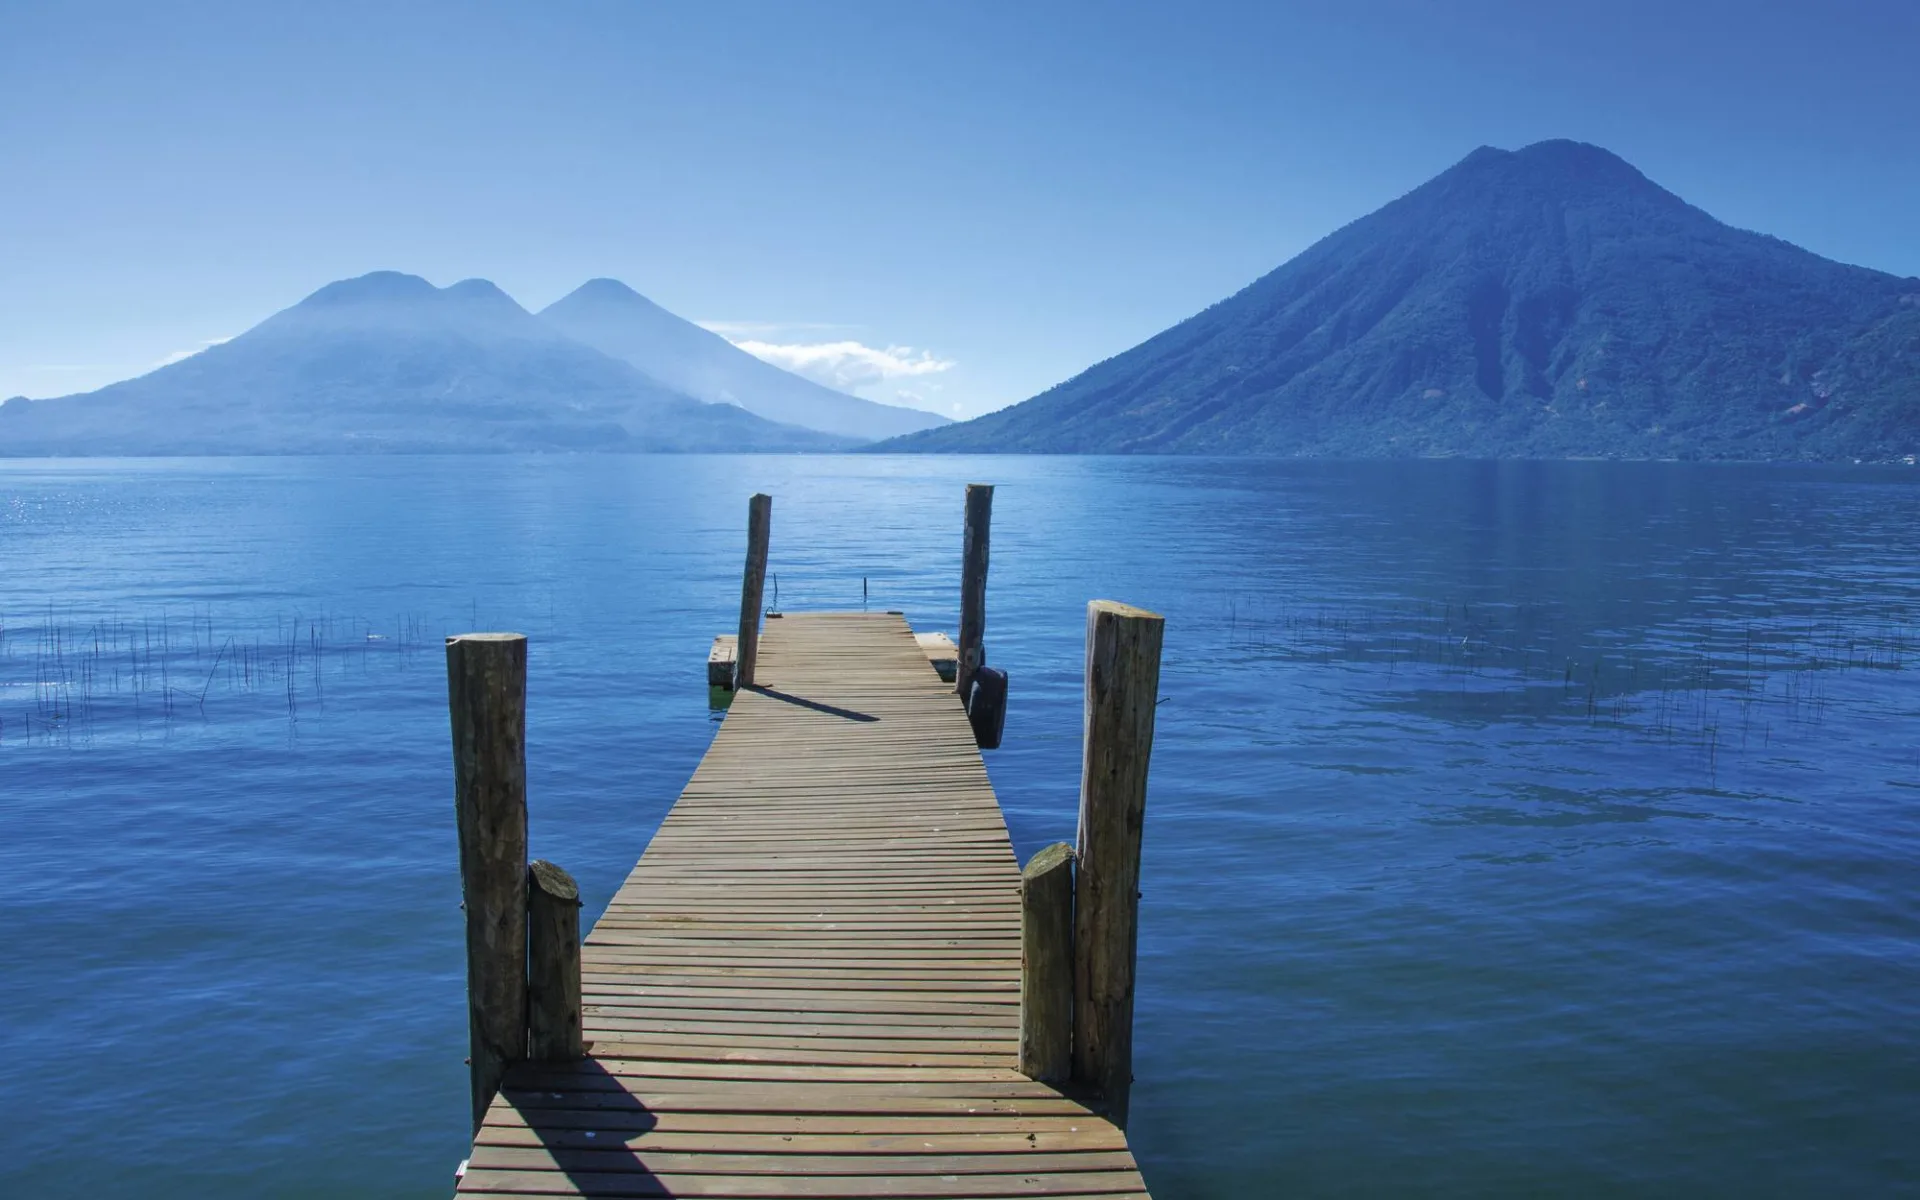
<point>809,984</point>
<point>553,964</point>
<point>753,584</point>
<point>973,585</point>
<point>487,701</point>
<point>1122,689</point>
<point>1046,965</point>
<point>941,654</point>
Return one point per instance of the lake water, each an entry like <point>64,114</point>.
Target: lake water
<point>1514,829</point>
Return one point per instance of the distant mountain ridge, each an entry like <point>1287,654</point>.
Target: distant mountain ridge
<point>614,319</point>
<point>387,362</point>
<point>1546,302</point>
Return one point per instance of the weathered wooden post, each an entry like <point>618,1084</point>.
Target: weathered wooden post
<point>1046,965</point>
<point>973,585</point>
<point>487,699</point>
<point>553,964</point>
<point>752,587</point>
<point>1123,681</point>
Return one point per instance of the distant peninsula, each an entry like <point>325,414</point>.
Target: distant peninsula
<point>1550,302</point>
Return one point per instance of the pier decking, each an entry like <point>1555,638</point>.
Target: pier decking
<point>809,984</point>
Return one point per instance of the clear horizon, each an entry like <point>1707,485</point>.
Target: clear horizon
<point>953,210</point>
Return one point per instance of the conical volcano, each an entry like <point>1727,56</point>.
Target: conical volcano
<point>613,318</point>
<point>1549,302</point>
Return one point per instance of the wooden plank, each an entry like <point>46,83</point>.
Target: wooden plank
<point>843,1187</point>
<point>773,1161</point>
<point>795,1100</point>
<point>751,1141</point>
<point>657,1068</point>
<point>941,654</point>
<point>836,1009</point>
<point>935,1125</point>
<point>809,985</point>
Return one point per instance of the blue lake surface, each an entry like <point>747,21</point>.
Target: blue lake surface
<point>1514,829</point>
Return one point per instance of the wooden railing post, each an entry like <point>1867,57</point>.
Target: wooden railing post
<point>487,699</point>
<point>1123,681</point>
<point>553,965</point>
<point>1046,965</point>
<point>973,585</point>
<point>752,588</point>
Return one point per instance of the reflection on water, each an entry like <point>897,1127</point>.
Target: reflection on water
<point>1514,828</point>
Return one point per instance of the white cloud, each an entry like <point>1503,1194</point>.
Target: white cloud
<point>847,365</point>
<point>918,399</point>
<point>177,355</point>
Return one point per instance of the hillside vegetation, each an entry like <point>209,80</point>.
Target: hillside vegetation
<point>1547,302</point>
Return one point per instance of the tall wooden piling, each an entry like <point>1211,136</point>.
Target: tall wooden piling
<point>1046,965</point>
<point>1122,686</point>
<point>487,700</point>
<point>973,585</point>
<point>553,965</point>
<point>753,587</point>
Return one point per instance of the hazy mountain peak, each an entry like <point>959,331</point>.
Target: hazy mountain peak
<point>395,301</point>
<point>1547,302</point>
<point>605,289</point>
<point>479,290</point>
<point>388,291</point>
<point>373,287</point>
<point>1562,153</point>
<point>387,361</point>
<point>613,318</point>
<point>1560,167</point>
<point>614,300</point>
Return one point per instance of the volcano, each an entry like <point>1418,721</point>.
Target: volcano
<point>1549,302</point>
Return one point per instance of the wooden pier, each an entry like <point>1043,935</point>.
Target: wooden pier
<point>810,984</point>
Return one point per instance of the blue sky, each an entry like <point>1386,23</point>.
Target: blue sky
<point>942,204</point>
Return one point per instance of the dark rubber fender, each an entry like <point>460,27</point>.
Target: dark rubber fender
<point>987,706</point>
